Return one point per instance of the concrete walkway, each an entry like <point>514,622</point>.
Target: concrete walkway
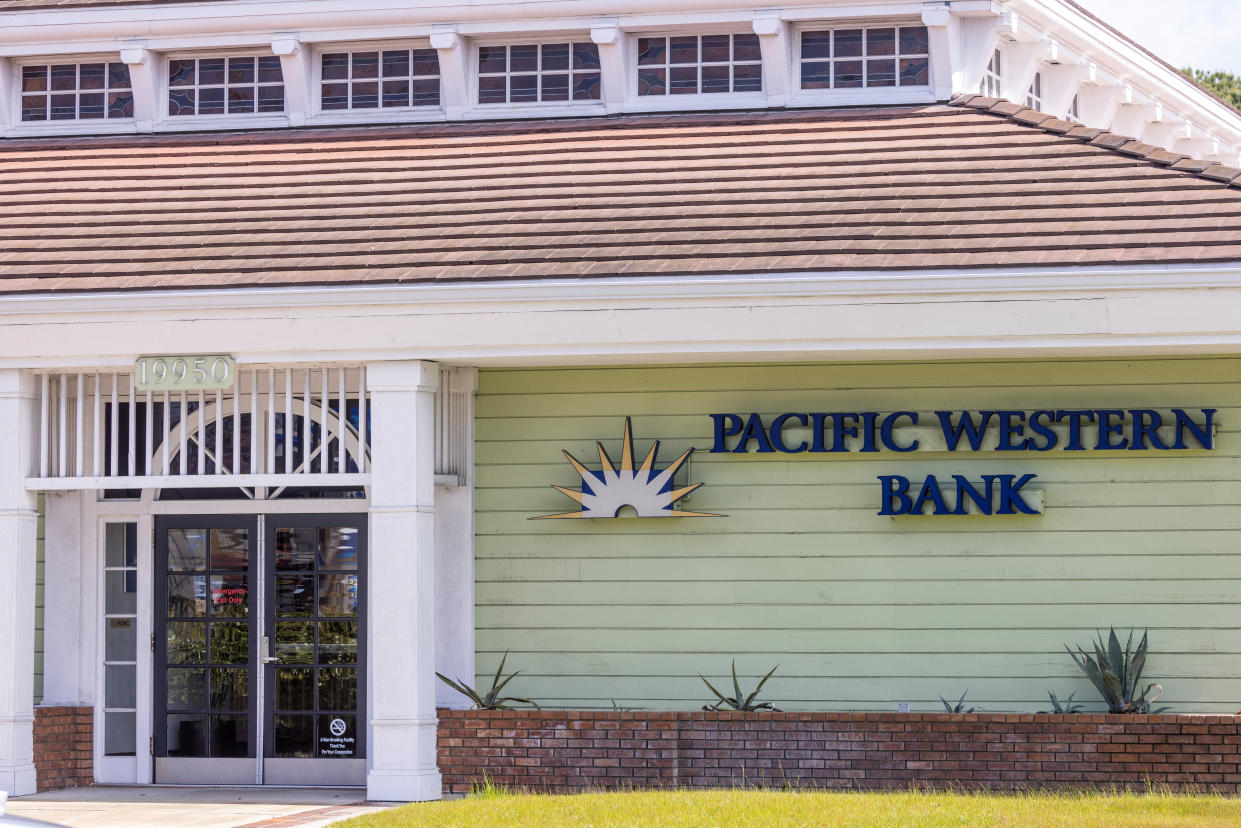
<point>159,806</point>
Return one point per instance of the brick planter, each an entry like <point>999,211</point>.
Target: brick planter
<point>570,751</point>
<point>63,750</point>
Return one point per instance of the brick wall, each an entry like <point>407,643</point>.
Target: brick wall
<point>63,751</point>
<point>566,751</point>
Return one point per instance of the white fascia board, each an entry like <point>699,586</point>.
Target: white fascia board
<point>167,20</point>
<point>1122,58</point>
<point>981,283</point>
<point>803,316</point>
<point>378,24</point>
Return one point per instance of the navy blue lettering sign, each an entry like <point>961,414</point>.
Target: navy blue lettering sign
<point>896,500</point>
<point>868,431</point>
<point>818,423</point>
<point>895,495</point>
<point>726,425</point>
<point>1011,501</point>
<point>754,431</point>
<point>889,423</point>
<point>841,429</point>
<point>966,489</point>
<point>1205,435</point>
<point>1109,429</point>
<point>1040,424</point>
<point>1076,419</point>
<point>1146,425</point>
<point>965,425</point>
<point>777,432</point>
<point>930,493</point>
<point>1012,426</point>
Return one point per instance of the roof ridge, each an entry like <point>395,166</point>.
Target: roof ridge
<point>1123,144</point>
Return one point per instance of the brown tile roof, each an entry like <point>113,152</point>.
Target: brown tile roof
<point>949,187</point>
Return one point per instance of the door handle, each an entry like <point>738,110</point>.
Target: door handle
<point>265,656</point>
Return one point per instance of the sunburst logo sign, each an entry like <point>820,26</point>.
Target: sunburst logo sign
<point>644,488</point>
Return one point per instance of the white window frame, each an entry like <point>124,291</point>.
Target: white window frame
<point>379,115</point>
<point>699,100</point>
<point>1034,95</point>
<point>531,108</point>
<point>76,126</point>
<point>134,769</point>
<point>878,95</point>
<point>224,120</point>
<point>993,77</point>
<point>637,69</point>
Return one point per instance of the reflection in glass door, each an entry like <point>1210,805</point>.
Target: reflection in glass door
<point>204,725</point>
<point>315,610</point>
<point>257,650</point>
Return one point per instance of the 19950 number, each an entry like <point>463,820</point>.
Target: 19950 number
<point>174,373</point>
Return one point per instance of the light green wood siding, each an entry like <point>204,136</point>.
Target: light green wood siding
<point>860,611</point>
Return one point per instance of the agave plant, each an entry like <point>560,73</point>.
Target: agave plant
<point>738,702</point>
<point>1063,707</point>
<point>492,700</point>
<point>959,707</point>
<point>1116,673</point>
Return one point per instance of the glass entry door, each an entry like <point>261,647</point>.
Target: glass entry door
<point>259,640</point>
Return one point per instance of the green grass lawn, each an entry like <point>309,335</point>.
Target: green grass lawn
<point>738,809</point>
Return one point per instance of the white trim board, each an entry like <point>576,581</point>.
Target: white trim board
<point>798,316</point>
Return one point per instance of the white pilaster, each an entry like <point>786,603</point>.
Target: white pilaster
<point>8,106</point>
<point>144,69</point>
<point>18,532</point>
<point>612,66</point>
<point>401,579</point>
<point>454,70</point>
<point>775,45</point>
<point>295,68</point>
<point>454,552</point>
<point>65,681</point>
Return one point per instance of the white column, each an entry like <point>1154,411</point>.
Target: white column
<point>8,106</point>
<point>401,583</point>
<point>454,549</point>
<point>66,678</point>
<point>18,526</point>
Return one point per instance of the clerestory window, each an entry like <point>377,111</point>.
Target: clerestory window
<point>561,72</point>
<point>233,85</point>
<point>76,91</point>
<point>865,57</point>
<point>699,64</point>
<point>373,79</point>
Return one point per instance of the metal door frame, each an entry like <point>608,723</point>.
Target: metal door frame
<point>317,770</point>
<point>253,769</point>
<point>195,769</point>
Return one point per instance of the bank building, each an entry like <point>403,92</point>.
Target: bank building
<point>342,343</point>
